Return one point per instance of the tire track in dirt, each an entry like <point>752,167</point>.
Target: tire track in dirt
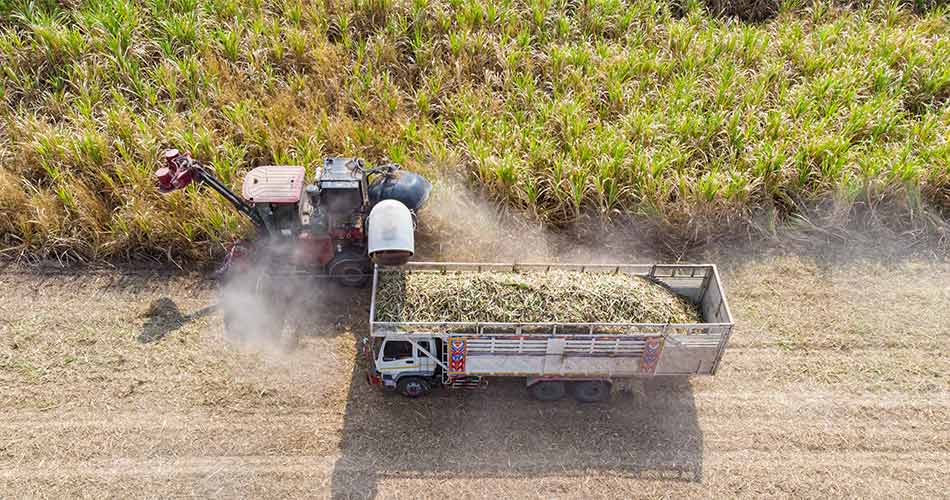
<point>257,464</point>
<point>744,472</point>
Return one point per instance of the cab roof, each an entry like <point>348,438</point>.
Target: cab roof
<point>274,184</point>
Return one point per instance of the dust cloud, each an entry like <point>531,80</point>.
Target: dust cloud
<point>461,223</point>
<point>269,311</point>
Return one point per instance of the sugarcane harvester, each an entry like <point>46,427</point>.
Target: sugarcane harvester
<point>348,218</point>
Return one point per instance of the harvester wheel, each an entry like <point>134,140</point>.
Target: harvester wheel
<point>350,269</point>
<point>254,307</point>
<point>551,390</point>
<point>234,329</point>
<point>236,291</point>
<point>413,387</point>
<point>591,391</point>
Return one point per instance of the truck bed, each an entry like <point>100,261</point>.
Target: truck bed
<point>578,349</point>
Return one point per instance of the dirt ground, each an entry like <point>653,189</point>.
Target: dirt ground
<point>836,383</point>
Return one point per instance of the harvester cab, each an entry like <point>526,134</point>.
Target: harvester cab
<point>348,218</point>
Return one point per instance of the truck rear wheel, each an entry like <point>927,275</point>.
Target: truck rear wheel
<point>413,387</point>
<point>551,390</point>
<point>591,391</point>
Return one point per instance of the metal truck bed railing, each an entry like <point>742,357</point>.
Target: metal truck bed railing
<point>549,329</point>
<point>698,282</point>
<point>651,270</point>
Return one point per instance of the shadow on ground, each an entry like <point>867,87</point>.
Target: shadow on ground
<point>163,317</point>
<point>499,432</point>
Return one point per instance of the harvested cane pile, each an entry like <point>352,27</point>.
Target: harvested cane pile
<point>529,297</point>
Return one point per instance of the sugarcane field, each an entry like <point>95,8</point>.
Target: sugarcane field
<point>506,249</point>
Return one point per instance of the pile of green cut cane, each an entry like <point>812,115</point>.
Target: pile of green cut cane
<point>528,297</point>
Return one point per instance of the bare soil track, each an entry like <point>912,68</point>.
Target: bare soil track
<point>121,384</point>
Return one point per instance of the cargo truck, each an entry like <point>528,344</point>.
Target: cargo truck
<point>554,359</point>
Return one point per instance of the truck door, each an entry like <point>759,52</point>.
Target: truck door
<point>425,362</point>
<point>395,357</point>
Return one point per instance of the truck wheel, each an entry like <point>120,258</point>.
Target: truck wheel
<point>551,390</point>
<point>591,391</point>
<point>413,387</point>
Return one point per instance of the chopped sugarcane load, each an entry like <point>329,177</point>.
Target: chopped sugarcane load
<point>530,297</point>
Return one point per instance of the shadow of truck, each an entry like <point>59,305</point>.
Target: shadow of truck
<point>499,432</point>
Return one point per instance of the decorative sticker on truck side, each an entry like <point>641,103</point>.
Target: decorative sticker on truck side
<point>457,351</point>
<point>652,347</point>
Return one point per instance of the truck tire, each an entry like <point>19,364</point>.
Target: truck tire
<point>591,391</point>
<point>413,387</point>
<point>551,390</point>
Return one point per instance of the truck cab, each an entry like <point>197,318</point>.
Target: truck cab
<point>403,364</point>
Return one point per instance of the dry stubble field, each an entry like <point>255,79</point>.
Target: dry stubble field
<point>835,383</point>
